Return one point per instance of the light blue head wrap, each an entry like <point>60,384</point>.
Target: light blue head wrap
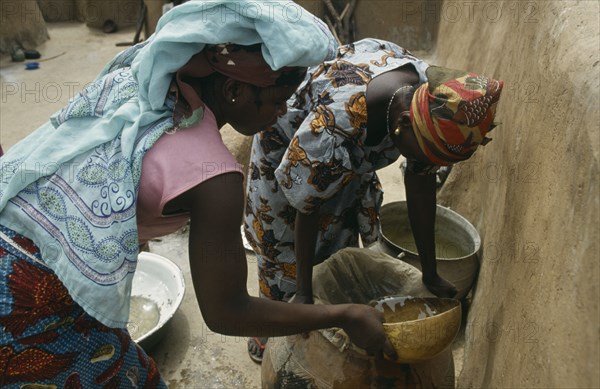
<point>71,186</point>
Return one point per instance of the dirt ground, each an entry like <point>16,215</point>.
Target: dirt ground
<point>189,353</point>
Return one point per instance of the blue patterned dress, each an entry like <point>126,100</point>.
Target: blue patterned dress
<point>316,156</point>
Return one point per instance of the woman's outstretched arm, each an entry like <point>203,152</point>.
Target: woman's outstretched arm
<point>421,203</point>
<point>219,274</point>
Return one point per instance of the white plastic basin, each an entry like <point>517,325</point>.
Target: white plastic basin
<point>157,292</point>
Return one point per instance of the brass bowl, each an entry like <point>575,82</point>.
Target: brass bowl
<point>420,328</point>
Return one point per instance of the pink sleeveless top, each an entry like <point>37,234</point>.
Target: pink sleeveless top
<point>176,163</point>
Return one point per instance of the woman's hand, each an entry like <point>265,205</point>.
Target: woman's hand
<point>440,286</point>
<point>364,326</point>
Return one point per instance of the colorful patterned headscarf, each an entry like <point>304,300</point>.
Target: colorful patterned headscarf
<point>452,113</point>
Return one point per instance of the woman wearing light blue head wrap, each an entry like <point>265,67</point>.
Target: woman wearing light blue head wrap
<point>135,155</point>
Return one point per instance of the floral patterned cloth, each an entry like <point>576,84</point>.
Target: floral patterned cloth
<point>47,339</point>
<point>315,156</point>
<point>83,215</point>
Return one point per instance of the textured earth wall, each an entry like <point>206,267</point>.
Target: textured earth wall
<point>533,192</point>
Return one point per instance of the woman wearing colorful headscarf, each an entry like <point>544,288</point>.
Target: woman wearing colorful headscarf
<point>312,187</point>
<point>134,156</point>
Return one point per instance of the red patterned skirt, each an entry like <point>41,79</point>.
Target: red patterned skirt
<point>47,339</point>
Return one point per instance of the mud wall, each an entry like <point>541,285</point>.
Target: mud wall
<point>123,13</point>
<point>94,13</point>
<point>21,24</point>
<point>533,192</point>
<point>61,10</point>
<point>412,24</point>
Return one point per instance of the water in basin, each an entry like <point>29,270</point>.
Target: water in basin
<point>144,315</point>
<point>445,246</point>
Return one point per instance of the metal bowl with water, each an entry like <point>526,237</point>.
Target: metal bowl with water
<point>457,243</point>
<point>157,292</point>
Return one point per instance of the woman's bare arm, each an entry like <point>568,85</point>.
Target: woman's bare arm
<point>305,243</point>
<point>219,272</point>
<point>421,203</point>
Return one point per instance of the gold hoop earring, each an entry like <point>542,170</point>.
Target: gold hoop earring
<point>387,114</point>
